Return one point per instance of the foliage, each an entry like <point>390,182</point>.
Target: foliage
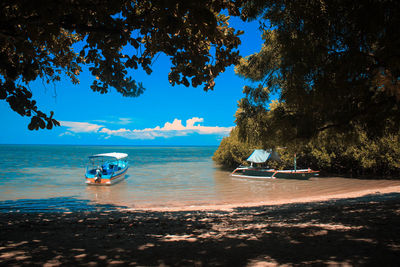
<point>336,68</point>
<point>37,40</point>
<point>335,65</point>
<point>232,152</point>
<point>353,153</point>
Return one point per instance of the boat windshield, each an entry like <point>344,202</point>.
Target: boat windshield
<point>106,163</point>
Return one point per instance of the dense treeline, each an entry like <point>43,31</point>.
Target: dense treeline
<point>353,154</point>
<point>335,68</point>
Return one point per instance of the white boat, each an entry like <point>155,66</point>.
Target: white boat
<point>106,168</point>
<point>260,156</point>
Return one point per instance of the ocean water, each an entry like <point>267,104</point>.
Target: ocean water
<point>51,178</point>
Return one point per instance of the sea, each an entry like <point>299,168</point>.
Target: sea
<point>50,178</point>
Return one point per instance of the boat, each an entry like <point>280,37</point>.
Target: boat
<point>260,156</point>
<point>106,168</point>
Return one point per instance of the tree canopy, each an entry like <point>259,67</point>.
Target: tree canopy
<point>335,67</point>
<point>37,42</point>
<point>335,64</point>
<point>353,153</point>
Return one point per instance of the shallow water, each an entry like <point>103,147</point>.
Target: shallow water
<point>40,177</point>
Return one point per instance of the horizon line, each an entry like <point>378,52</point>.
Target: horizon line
<point>173,145</point>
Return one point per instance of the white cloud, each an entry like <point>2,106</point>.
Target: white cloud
<point>176,128</point>
<point>176,125</point>
<point>124,121</point>
<point>192,121</point>
<point>115,120</point>
<point>67,133</point>
<point>81,127</point>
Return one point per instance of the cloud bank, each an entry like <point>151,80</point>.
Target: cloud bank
<point>176,128</point>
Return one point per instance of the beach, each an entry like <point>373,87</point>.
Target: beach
<point>176,208</point>
<point>348,231</point>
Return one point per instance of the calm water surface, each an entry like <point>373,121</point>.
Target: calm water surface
<point>157,177</point>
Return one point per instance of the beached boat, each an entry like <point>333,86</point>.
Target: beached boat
<point>106,168</point>
<point>260,156</point>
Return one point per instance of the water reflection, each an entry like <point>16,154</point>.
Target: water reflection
<point>240,190</point>
<point>115,194</point>
<point>270,191</point>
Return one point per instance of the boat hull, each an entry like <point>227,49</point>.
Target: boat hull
<point>107,180</point>
<point>299,175</point>
<point>272,174</point>
<point>253,173</point>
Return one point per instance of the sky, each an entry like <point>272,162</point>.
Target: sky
<point>164,115</point>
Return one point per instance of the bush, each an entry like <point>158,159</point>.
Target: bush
<point>231,152</point>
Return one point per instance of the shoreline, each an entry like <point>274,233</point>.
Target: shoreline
<point>73,204</point>
<point>300,200</point>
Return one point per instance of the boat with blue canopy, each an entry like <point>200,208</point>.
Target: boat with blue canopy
<point>257,168</point>
<point>106,168</point>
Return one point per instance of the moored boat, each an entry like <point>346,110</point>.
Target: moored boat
<point>260,156</point>
<point>106,168</point>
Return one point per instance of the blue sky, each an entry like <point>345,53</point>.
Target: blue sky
<point>163,115</point>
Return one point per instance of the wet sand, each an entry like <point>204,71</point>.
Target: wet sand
<point>349,231</point>
<point>224,192</point>
<point>351,192</point>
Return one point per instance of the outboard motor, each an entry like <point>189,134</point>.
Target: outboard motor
<point>97,177</point>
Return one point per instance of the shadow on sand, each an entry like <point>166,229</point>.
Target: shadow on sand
<point>362,231</point>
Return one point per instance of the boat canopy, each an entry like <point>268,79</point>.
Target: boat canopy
<point>260,156</point>
<point>111,155</point>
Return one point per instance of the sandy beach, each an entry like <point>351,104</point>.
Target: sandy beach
<point>350,231</point>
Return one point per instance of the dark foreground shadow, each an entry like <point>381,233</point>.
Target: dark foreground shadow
<point>362,231</point>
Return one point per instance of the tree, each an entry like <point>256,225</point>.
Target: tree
<point>232,151</point>
<point>335,64</point>
<point>353,153</point>
<point>336,68</point>
<point>37,42</point>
